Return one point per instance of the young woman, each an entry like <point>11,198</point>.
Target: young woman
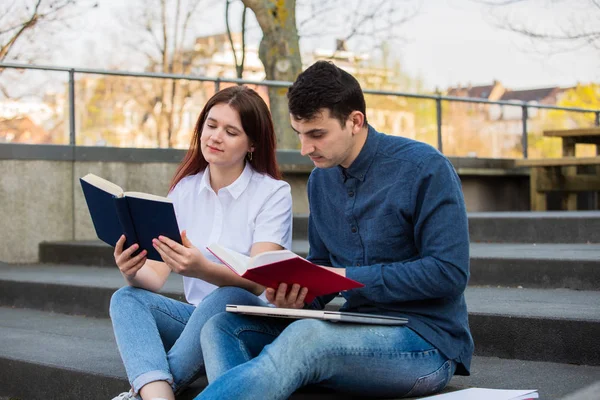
<point>227,190</point>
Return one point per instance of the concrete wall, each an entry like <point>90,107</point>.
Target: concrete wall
<point>41,199</point>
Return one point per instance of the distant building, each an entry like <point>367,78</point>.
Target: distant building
<point>487,92</point>
<point>501,126</point>
<point>213,56</point>
<point>23,130</point>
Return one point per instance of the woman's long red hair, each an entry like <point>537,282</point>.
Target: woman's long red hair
<point>256,122</point>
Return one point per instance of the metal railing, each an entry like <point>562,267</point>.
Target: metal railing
<point>438,98</point>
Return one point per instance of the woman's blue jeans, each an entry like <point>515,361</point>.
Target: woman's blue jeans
<point>159,338</point>
<point>374,361</point>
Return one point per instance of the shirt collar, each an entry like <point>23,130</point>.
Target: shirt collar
<point>360,166</point>
<point>236,188</point>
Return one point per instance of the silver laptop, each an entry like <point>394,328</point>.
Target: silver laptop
<point>334,316</point>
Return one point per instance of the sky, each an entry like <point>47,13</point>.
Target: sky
<point>456,42</point>
<point>448,43</point>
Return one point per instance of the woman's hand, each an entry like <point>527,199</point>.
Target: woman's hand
<point>282,299</point>
<point>129,266</point>
<point>184,259</point>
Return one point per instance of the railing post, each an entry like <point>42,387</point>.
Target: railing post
<point>597,118</point>
<point>217,85</point>
<point>72,141</point>
<point>524,137</point>
<point>438,116</point>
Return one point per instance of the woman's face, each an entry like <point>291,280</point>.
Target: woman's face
<point>224,142</point>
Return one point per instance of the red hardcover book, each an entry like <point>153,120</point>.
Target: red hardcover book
<point>283,266</point>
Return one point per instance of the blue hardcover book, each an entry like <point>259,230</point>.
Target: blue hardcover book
<point>140,216</point>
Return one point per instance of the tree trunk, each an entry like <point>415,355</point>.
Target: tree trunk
<point>280,54</point>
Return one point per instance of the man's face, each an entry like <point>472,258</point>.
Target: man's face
<point>327,142</point>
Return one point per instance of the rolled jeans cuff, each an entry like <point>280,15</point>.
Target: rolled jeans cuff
<point>150,376</point>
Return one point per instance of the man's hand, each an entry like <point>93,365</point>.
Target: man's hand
<point>184,259</point>
<point>282,299</point>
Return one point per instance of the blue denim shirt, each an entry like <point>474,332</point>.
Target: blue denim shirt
<point>396,220</point>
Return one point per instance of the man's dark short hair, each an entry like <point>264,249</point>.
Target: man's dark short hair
<point>324,85</point>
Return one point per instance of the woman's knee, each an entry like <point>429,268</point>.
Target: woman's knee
<point>124,297</point>
<point>212,330</point>
<point>228,292</point>
<point>219,298</point>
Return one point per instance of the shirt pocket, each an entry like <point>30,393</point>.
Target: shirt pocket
<point>382,236</point>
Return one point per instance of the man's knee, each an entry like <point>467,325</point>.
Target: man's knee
<point>305,335</point>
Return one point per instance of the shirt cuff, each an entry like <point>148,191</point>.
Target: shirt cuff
<point>362,275</point>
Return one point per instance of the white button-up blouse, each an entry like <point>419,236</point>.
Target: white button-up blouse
<point>254,208</point>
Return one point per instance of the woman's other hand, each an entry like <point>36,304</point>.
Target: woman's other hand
<point>184,259</point>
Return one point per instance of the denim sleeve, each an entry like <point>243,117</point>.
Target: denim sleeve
<point>319,255</point>
<point>441,236</point>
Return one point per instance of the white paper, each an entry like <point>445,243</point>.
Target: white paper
<point>486,394</point>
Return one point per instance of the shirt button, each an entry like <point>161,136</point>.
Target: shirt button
<point>351,194</point>
<point>353,229</point>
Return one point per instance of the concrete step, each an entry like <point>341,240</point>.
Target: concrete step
<point>535,227</point>
<point>517,227</point>
<point>98,254</point>
<point>571,266</point>
<point>529,324</point>
<point>544,266</point>
<point>496,227</point>
<point>76,358</point>
<point>68,289</point>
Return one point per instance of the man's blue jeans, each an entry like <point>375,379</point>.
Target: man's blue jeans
<point>159,338</point>
<point>359,359</point>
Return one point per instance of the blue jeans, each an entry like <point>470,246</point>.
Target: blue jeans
<point>159,338</point>
<point>374,361</point>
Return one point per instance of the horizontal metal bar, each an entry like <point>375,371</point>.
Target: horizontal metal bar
<point>287,84</point>
<point>155,75</point>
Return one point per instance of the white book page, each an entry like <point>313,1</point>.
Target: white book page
<point>239,262</point>
<point>269,257</point>
<point>148,196</point>
<point>103,184</point>
<point>487,394</point>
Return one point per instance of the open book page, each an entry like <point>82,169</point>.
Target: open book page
<point>234,260</point>
<point>103,184</point>
<point>148,196</point>
<point>270,257</point>
<point>487,394</point>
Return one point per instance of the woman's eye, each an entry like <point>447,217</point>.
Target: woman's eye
<point>231,133</point>
<point>211,126</point>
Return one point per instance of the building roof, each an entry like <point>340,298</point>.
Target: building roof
<point>541,95</point>
<point>482,92</point>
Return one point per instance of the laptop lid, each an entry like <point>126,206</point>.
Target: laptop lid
<point>334,316</point>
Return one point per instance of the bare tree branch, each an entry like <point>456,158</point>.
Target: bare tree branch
<point>573,29</point>
<point>239,64</point>
<point>20,19</point>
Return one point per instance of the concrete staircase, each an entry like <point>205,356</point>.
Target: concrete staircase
<point>533,298</point>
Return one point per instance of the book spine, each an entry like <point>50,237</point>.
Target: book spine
<point>126,223</point>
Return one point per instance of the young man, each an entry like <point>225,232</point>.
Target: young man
<point>385,211</point>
